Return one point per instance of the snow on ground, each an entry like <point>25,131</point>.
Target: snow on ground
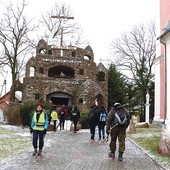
<point>25,133</point>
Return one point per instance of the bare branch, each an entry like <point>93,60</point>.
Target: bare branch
<point>14,38</point>
<point>135,52</point>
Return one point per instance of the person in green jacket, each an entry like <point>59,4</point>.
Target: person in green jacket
<point>54,117</point>
<point>39,125</point>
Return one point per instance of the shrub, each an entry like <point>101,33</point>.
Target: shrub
<point>13,114</point>
<point>26,111</point>
<point>84,119</point>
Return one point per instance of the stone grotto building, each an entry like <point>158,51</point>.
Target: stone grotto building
<point>65,75</point>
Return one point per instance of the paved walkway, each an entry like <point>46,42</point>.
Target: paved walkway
<point>65,150</point>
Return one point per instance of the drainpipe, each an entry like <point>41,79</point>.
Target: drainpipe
<point>165,76</point>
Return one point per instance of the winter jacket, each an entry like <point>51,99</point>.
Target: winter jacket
<point>75,115</point>
<point>93,116</point>
<point>39,121</point>
<point>110,122</point>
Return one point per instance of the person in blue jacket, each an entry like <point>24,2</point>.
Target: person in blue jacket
<point>39,125</point>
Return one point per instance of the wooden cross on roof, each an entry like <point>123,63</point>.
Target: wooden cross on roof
<point>61,17</point>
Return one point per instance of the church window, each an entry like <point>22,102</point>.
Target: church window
<point>80,100</point>
<point>49,52</point>
<point>37,96</point>
<point>31,72</point>
<point>101,76</point>
<point>41,70</point>
<point>81,71</point>
<point>73,54</point>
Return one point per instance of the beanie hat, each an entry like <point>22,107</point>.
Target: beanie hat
<point>40,104</point>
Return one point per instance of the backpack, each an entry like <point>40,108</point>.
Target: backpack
<point>102,117</point>
<point>91,115</point>
<point>74,115</point>
<point>120,117</point>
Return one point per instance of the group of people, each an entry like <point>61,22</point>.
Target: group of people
<point>97,117</point>
<point>116,122</point>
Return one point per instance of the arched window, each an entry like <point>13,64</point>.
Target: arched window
<point>42,51</point>
<point>61,72</point>
<point>101,76</point>
<point>86,57</point>
<point>32,72</point>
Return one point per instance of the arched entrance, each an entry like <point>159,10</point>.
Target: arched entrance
<point>60,98</point>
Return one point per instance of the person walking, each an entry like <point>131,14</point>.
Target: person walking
<point>63,114</point>
<point>75,116</point>
<point>39,125</point>
<point>54,117</point>
<point>102,123</point>
<point>93,118</point>
<point>116,125</point>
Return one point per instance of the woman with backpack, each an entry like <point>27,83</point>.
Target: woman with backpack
<point>102,123</point>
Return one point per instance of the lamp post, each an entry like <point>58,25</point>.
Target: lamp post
<point>147,108</point>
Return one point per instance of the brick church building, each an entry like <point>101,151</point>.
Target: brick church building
<point>65,75</point>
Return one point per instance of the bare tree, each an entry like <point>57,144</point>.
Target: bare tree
<point>59,22</point>
<point>135,52</point>
<point>14,39</point>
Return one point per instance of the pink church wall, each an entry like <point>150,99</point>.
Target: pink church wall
<point>164,18</point>
<point>162,89</point>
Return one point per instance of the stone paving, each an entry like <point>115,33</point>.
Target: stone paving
<point>70,151</point>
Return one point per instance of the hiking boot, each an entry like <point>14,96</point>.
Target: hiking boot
<point>111,155</point>
<point>120,158</point>
<point>40,152</point>
<point>35,152</point>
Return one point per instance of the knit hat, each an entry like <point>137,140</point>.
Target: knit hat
<point>40,104</point>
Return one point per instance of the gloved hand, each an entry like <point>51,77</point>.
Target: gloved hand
<point>45,131</point>
<point>107,132</point>
<point>31,130</point>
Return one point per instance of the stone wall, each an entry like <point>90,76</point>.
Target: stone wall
<point>70,71</point>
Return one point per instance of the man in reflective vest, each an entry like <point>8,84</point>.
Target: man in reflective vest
<point>54,117</point>
<point>39,125</point>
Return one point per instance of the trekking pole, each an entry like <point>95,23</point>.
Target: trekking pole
<point>113,127</point>
<point>107,138</point>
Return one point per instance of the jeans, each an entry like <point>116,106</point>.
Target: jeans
<point>38,135</point>
<point>54,121</point>
<point>62,122</point>
<point>101,129</point>
<point>92,131</point>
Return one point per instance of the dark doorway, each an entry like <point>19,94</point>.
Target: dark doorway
<point>59,100</point>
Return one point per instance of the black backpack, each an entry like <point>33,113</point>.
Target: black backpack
<point>93,114</point>
<point>120,117</point>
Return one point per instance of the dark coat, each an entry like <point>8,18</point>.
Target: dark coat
<point>93,116</point>
<point>75,115</point>
<point>62,113</point>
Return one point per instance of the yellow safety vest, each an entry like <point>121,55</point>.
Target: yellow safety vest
<point>54,115</point>
<point>41,122</point>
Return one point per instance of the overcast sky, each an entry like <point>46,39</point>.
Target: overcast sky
<point>101,20</point>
